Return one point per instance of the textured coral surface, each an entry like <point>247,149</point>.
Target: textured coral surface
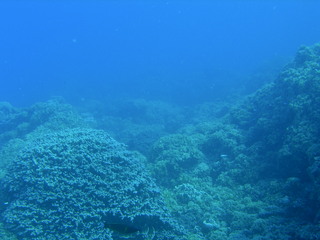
<point>68,184</point>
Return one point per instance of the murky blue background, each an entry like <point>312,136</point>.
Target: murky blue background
<point>181,51</point>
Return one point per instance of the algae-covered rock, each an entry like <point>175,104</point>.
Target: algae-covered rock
<point>69,184</point>
<point>172,155</point>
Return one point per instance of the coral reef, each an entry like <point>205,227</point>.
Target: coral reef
<point>248,170</point>
<point>18,125</point>
<point>263,160</point>
<point>172,155</point>
<point>138,123</point>
<point>54,115</point>
<point>66,185</point>
<point>281,119</point>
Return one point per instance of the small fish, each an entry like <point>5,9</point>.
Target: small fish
<point>121,228</point>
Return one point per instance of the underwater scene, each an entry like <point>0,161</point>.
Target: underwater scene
<point>160,120</point>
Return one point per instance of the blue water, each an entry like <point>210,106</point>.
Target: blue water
<point>185,51</point>
<point>217,154</point>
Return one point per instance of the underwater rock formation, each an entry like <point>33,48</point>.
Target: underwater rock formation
<point>69,184</point>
